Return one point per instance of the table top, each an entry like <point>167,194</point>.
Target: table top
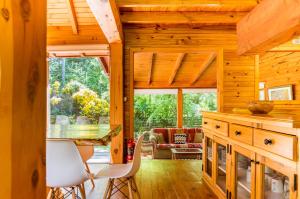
<point>186,150</point>
<point>103,139</point>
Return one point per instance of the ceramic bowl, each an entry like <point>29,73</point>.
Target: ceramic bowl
<point>260,107</point>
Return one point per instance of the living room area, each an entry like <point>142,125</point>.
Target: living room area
<point>169,100</point>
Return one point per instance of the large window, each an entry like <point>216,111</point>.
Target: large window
<point>195,101</point>
<point>78,98</point>
<point>154,108</point>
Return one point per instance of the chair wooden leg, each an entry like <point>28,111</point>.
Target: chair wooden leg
<point>136,188</point>
<point>107,189</point>
<point>88,170</point>
<point>82,191</point>
<point>73,193</point>
<point>49,196</point>
<point>130,188</point>
<point>111,187</point>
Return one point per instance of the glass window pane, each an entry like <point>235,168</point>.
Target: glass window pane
<point>221,173</point>
<point>78,100</point>
<point>243,177</point>
<point>194,103</point>
<point>276,185</point>
<point>208,169</point>
<point>154,110</point>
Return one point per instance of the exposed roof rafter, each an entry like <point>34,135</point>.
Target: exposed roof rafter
<point>73,18</point>
<point>204,66</point>
<point>151,63</point>
<point>177,66</point>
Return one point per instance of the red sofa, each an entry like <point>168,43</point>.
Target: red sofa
<point>162,148</point>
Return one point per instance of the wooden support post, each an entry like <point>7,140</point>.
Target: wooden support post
<point>179,108</point>
<point>23,96</point>
<point>116,99</point>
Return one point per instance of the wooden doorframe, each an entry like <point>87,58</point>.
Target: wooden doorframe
<point>220,74</point>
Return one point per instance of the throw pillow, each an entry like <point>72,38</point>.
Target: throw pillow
<point>180,138</point>
<point>198,137</point>
<point>159,137</point>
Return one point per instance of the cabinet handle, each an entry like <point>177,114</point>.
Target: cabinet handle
<point>217,126</point>
<point>205,122</point>
<point>268,141</point>
<point>237,133</point>
<point>251,161</point>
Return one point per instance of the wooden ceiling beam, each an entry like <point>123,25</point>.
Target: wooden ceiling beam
<point>269,24</point>
<point>107,16</point>
<point>86,50</point>
<point>191,5</point>
<point>72,14</point>
<point>177,66</point>
<point>204,66</point>
<point>199,18</point>
<point>162,85</point>
<point>151,63</point>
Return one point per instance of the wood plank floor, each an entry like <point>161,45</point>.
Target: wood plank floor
<point>162,179</point>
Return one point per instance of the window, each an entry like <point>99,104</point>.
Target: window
<point>154,108</point>
<point>78,101</point>
<point>195,101</point>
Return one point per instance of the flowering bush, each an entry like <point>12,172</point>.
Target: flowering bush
<point>72,87</point>
<point>90,105</point>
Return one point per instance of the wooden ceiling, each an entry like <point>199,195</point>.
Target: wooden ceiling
<point>175,70</point>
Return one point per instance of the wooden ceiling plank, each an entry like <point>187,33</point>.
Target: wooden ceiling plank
<point>269,24</point>
<point>200,18</point>
<point>162,85</point>
<point>191,5</point>
<point>73,18</point>
<point>204,66</point>
<point>177,66</point>
<point>107,16</point>
<point>151,63</point>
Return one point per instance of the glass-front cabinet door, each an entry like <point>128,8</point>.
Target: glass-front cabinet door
<point>243,173</point>
<point>275,180</point>
<point>208,156</point>
<point>221,164</point>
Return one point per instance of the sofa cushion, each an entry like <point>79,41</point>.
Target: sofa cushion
<point>163,131</point>
<point>180,138</point>
<point>187,145</point>
<point>159,138</point>
<point>172,132</point>
<point>190,133</point>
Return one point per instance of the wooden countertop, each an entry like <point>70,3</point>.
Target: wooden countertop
<point>289,124</point>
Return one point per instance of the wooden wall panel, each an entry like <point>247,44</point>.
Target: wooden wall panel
<point>238,71</point>
<point>279,69</point>
<point>23,99</point>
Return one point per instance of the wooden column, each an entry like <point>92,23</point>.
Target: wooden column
<point>179,108</point>
<point>23,91</point>
<point>116,99</point>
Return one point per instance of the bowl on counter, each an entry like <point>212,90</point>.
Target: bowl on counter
<point>260,107</point>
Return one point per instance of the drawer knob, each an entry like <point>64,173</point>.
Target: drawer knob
<point>237,133</point>
<point>217,126</point>
<point>205,122</point>
<point>268,141</point>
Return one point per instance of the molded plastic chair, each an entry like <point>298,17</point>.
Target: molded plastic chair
<point>123,171</point>
<point>65,168</point>
<point>86,152</point>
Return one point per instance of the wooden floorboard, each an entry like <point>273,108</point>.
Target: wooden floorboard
<point>161,179</point>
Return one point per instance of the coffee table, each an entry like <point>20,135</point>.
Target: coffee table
<point>186,153</point>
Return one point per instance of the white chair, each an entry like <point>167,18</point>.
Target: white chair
<point>64,167</point>
<point>124,173</point>
<point>86,152</point>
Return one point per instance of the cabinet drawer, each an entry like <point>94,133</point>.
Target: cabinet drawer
<point>241,133</point>
<point>207,123</point>
<point>281,144</point>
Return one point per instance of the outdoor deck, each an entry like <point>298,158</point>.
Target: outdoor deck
<point>161,179</point>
